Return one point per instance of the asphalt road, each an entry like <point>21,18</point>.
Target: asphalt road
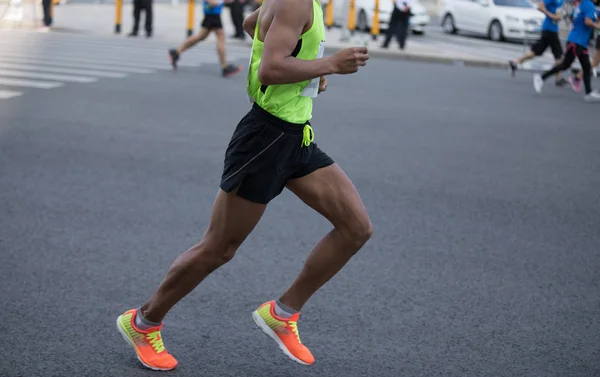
<point>484,198</point>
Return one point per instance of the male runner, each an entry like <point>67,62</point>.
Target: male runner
<point>271,148</point>
<point>211,24</point>
<point>583,22</point>
<point>576,80</point>
<point>549,38</point>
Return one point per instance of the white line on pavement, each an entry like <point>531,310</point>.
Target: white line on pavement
<point>30,83</point>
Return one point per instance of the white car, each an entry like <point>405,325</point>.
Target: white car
<point>365,10</point>
<point>498,19</point>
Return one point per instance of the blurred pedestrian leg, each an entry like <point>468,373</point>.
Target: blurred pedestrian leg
<point>138,7</point>
<point>399,23</point>
<point>46,7</point>
<point>237,18</point>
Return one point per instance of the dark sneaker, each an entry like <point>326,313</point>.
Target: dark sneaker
<point>174,56</point>
<point>561,82</point>
<point>231,70</point>
<point>513,68</point>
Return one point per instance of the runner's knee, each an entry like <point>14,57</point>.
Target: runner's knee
<point>213,252</point>
<point>357,230</point>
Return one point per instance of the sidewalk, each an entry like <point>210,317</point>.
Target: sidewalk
<point>415,50</point>
<point>170,26</point>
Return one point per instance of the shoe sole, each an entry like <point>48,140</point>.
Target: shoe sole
<point>130,342</point>
<point>238,70</point>
<point>271,334</point>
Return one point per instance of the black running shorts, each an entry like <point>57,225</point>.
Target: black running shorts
<point>598,42</point>
<point>548,39</point>
<point>212,22</point>
<point>264,153</point>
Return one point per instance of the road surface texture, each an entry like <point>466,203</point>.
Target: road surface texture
<point>483,195</point>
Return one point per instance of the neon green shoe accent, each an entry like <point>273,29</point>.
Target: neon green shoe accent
<point>156,341</point>
<point>136,337</point>
<point>275,324</point>
<point>272,322</point>
<point>154,338</point>
<point>294,327</point>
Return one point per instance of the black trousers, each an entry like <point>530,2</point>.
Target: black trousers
<point>398,27</point>
<point>237,18</point>
<point>574,51</point>
<point>138,7</point>
<point>46,5</point>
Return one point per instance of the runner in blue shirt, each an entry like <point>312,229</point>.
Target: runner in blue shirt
<point>210,24</point>
<point>548,38</point>
<point>584,21</point>
<point>576,80</point>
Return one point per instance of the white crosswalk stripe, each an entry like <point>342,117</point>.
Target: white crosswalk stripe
<point>29,59</point>
<point>5,94</point>
<point>30,83</point>
<point>75,71</point>
<point>47,76</point>
<point>47,61</point>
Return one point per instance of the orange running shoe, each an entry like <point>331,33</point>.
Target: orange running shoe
<point>148,344</point>
<point>284,331</point>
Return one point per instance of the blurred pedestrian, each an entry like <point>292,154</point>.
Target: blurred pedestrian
<point>210,24</point>
<point>138,7</point>
<point>237,17</point>
<point>576,80</point>
<point>47,10</point>
<point>584,21</point>
<point>399,22</point>
<point>548,39</point>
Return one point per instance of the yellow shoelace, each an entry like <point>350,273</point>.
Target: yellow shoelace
<point>156,341</point>
<point>307,135</point>
<point>294,326</point>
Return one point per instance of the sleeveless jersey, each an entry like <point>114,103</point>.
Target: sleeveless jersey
<point>289,102</point>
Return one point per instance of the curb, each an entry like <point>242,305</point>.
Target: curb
<point>428,58</point>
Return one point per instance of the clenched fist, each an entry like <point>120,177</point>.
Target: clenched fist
<point>349,60</point>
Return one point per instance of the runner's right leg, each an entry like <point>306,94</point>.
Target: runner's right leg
<point>586,68</point>
<point>330,192</point>
<point>576,81</point>
<point>174,54</point>
<point>232,219</point>
<point>538,80</point>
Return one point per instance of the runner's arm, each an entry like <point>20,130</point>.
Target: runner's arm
<point>589,14</point>
<point>590,22</point>
<point>250,23</point>
<point>542,8</point>
<point>277,65</point>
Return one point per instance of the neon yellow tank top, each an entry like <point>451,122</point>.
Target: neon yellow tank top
<point>289,102</point>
